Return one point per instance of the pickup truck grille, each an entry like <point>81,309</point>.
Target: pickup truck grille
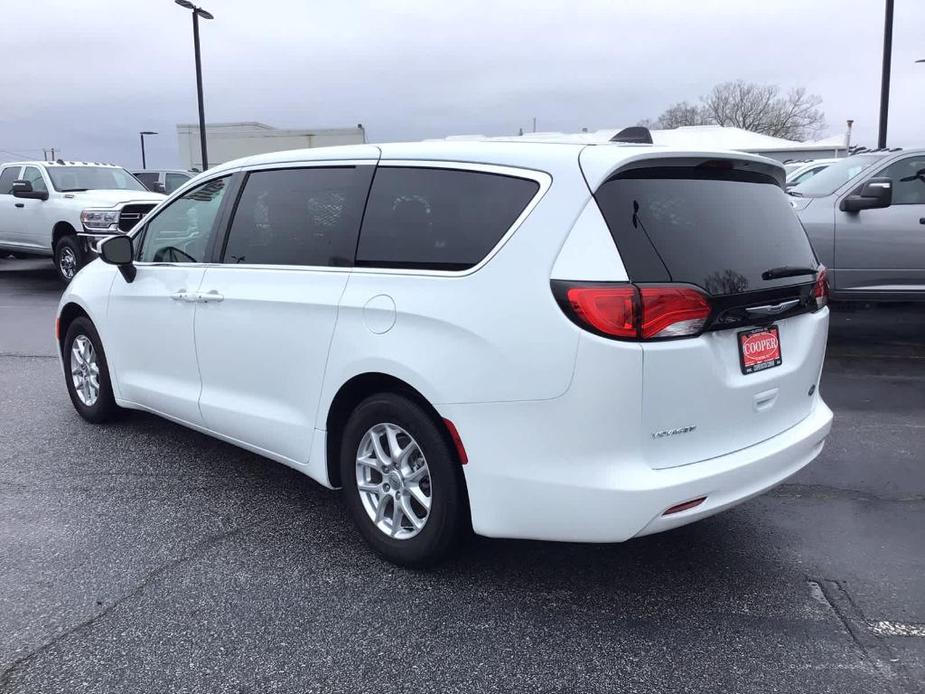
<point>132,214</point>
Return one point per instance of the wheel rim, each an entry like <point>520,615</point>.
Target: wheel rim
<point>393,481</point>
<point>85,371</point>
<point>67,261</point>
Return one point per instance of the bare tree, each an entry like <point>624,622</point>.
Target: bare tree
<point>764,109</point>
<point>682,113</point>
<point>761,108</point>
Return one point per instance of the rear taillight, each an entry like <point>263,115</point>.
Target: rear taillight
<point>672,311</point>
<point>609,310</point>
<point>821,288</point>
<point>628,312</point>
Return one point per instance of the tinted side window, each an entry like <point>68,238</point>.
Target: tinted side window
<point>9,174</point>
<point>908,176</point>
<point>174,181</point>
<point>304,216</point>
<point>443,219</point>
<point>180,232</point>
<point>149,179</point>
<point>34,176</point>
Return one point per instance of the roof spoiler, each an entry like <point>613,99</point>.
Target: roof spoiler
<point>636,134</point>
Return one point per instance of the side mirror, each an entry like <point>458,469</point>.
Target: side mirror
<point>875,193</point>
<point>23,189</point>
<point>119,251</point>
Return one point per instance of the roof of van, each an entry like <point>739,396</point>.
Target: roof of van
<point>543,156</point>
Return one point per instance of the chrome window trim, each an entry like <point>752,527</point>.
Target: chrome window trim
<point>542,178</point>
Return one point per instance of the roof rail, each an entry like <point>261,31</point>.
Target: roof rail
<point>858,149</point>
<point>636,134</point>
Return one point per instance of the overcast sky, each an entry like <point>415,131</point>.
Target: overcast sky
<point>85,76</point>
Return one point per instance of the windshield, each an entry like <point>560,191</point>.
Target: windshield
<point>835,176</point>
<point>74,178</point>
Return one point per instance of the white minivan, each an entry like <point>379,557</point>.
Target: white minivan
<point>532,340</point>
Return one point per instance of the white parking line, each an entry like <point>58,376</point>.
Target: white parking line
<point>887,628</point>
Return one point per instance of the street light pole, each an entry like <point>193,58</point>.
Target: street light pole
<point>197,13</point>
<point>885,75</point>
<point>142,135</point>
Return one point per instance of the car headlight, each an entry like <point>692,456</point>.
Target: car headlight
<point>100,220</point>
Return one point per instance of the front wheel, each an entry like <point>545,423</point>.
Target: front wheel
<point>402,482</point>
<point>86,373</point>
<point>68,257</point>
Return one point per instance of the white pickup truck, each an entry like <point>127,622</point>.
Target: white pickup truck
<point>59,209</point>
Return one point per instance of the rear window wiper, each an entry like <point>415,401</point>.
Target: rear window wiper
<point>787,271</point>
<point>795,194</point>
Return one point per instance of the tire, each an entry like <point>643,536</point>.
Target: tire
<point>69,257</point>
<point>78,371</point>
<point>442,482</point>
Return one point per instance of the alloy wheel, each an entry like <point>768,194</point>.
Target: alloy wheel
<point>67,262</point>
<point>85,371</point>
<point>393,481</point>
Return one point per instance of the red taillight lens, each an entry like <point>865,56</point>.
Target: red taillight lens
<point>639,313</point>
<point>672,311</point>
<point>610,310</point>
<point>821,288</point>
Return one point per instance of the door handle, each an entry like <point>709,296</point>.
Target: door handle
<point>211,296</point>
<point>19,204</point>
<point>183,295</point>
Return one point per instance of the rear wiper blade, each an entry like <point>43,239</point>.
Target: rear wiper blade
<point>795,194</point>
<point>787,271</point>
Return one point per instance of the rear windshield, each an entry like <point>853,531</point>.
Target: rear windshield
<point>717,229</point>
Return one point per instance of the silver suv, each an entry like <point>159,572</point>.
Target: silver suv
<point>865,216</point>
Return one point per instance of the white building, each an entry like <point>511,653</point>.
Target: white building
<point>707,137</point>
<point>227,141</point>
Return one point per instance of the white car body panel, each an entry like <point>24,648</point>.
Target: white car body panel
<point>551,416</point>
<point>162,375</point>
<point>246,393</point>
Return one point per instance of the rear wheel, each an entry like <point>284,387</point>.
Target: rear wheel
<point>68,257</point>
<point>86,373</point>
<point>402,482</point>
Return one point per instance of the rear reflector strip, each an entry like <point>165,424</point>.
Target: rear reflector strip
<point>685,506</point>
<point>457,441</point>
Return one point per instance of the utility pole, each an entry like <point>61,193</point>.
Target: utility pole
<point>144,164</point>
<point>197,13</point>
<point>885,76</point>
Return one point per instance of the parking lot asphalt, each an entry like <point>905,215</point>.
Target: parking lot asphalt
<point>141,556</point>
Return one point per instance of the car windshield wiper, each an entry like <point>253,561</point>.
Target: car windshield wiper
<point>787,271</point>
<point>795,194</point>
<point>74,190</point>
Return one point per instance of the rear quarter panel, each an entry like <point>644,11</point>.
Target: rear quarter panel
<point>492,335</point>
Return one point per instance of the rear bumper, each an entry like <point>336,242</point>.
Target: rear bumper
<point>596,500</point>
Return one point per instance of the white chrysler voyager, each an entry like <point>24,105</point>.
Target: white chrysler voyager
<point>535,340</point>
